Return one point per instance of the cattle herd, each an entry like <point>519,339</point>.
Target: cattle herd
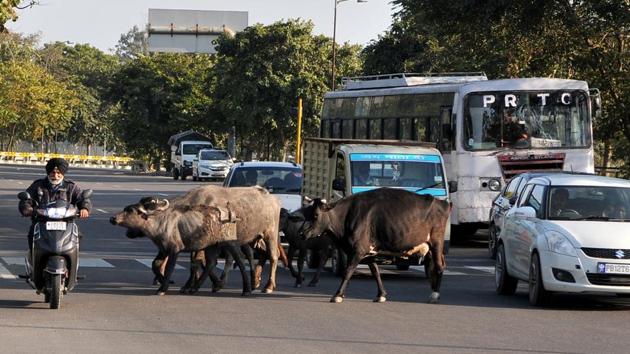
<point>210,220</point>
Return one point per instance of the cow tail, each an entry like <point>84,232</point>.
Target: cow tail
<point>282,255</point>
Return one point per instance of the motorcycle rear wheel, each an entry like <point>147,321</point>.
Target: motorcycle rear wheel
<point>56,291</point>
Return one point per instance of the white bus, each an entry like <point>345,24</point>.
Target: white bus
<point>487,130</point>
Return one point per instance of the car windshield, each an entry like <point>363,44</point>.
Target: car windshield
<point>192,149</point>
<point>555,119</point>
<point>214,155</point>
<point>410,171</point>
<point>282,180</point>
<point>589,203</point>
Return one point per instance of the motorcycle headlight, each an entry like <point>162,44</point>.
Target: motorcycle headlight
<point>494,185</point>
<point>558,243</point>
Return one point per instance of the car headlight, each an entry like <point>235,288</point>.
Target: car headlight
<point>558,243</point>
<point>494,185</point>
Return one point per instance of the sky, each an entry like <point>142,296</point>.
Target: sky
<point>100,23</point>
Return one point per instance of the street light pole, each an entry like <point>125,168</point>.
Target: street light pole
<point>334,44</point>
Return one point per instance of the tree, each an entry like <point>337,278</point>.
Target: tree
<point>260,74</point>
<point>7,11</point>
<point>132,44</point>
<point>158,96</point>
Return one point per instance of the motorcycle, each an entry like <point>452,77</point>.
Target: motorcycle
<point>52,265</point>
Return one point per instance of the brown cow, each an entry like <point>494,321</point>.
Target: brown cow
<point>385,221</point>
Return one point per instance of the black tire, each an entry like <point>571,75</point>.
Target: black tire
<point>538,296</point>
<point>492,241</point>
<point>402,266</point>
<point>56,291</point>
<point>175,174</point>
<point>194,178</point>
<point>183,176</point>
<point>338,262</point>
<point>505,284</point>
<point>312,259</point>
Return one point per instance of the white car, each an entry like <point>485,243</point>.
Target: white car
<point>211,164</point>
<point>282,179</point>
<point>567,233</point>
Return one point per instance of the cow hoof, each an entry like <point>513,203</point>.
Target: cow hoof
<point>312,285</point>
<point>434,298</point>
<point>246,293</point>
<point>192,291</point>
<point>297,285</point>
<point>267,290</point>
<point>380,299</point>
<point>160,293</point>
<point>183,290</point>
<point>337,299</point>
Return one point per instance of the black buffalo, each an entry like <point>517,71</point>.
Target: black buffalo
<point>389,222</point>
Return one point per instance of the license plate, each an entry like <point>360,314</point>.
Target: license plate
<point>611,268</point>
<point>55,225</point>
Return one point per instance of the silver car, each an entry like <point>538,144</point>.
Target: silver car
<point>566,233</point>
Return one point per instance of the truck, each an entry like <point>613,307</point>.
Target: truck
<point>184,148</point>
<point>336,168</point>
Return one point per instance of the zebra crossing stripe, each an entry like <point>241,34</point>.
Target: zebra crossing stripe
<point>94,263</point>
<point>149,262</point>
<point>482,269</point>
<point>5,274</point>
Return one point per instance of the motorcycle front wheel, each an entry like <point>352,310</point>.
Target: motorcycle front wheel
<point>56,290</point>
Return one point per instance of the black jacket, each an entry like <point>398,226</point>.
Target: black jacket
<point>42,193</point>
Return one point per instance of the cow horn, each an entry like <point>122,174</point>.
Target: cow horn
<point>165,206</point>
<point>142,210</point>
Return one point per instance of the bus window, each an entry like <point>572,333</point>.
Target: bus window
<point>390,128</point>
<point>405,129</point>
<point>361,129</point>
<point>346,128</point>
<point>375,129</point>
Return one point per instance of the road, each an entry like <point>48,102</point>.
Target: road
<point>114,309</point>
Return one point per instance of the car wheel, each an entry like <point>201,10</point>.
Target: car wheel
<point>492,241</point>
<point>504,283</point>
<point>538,296</point>
<point>175,174</point>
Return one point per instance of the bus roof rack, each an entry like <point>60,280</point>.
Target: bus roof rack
<point>409,79</point>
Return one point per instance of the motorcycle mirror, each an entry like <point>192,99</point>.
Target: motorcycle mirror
<point>87,193</point>
<point>24,196</point>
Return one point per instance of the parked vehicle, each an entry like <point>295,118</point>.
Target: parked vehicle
<point>567,233</point>
<point>211,164</point>
<point>52,268</point>
<point>502,203</point>
<point>184,148</point>
<point>282,179</point>
<point>336,168</point>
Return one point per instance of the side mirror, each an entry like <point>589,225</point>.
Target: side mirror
<point>452,186</point>
<point>525,211</point>
<point>86,194</point>
<point>339,184</point>
<point>24,196</point>
<point>596,102</point>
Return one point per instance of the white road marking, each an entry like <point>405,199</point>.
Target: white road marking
<point>163,194</point>
<point>483,269</point>
<point>149,261</point>
<point>94,263</point>
<point>102,211</point>
<point>14,260</point>
<point>5,274</point>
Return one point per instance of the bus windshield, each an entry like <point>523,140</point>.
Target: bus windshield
<point>542,119</point>
<point>422,173</point>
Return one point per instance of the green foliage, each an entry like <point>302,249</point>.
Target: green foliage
<point>260,74</point>
<point>7,11</point>
<point>132,45</point>
<point>158,96</point>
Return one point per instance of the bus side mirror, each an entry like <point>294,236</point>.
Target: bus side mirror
<point>596,102</point>
<point>339,184</point>
<point>452,186</point>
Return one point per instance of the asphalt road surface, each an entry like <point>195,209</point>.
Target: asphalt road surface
<point>114,307</point>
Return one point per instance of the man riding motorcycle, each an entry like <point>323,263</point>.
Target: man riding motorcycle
<point>51,188</point>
